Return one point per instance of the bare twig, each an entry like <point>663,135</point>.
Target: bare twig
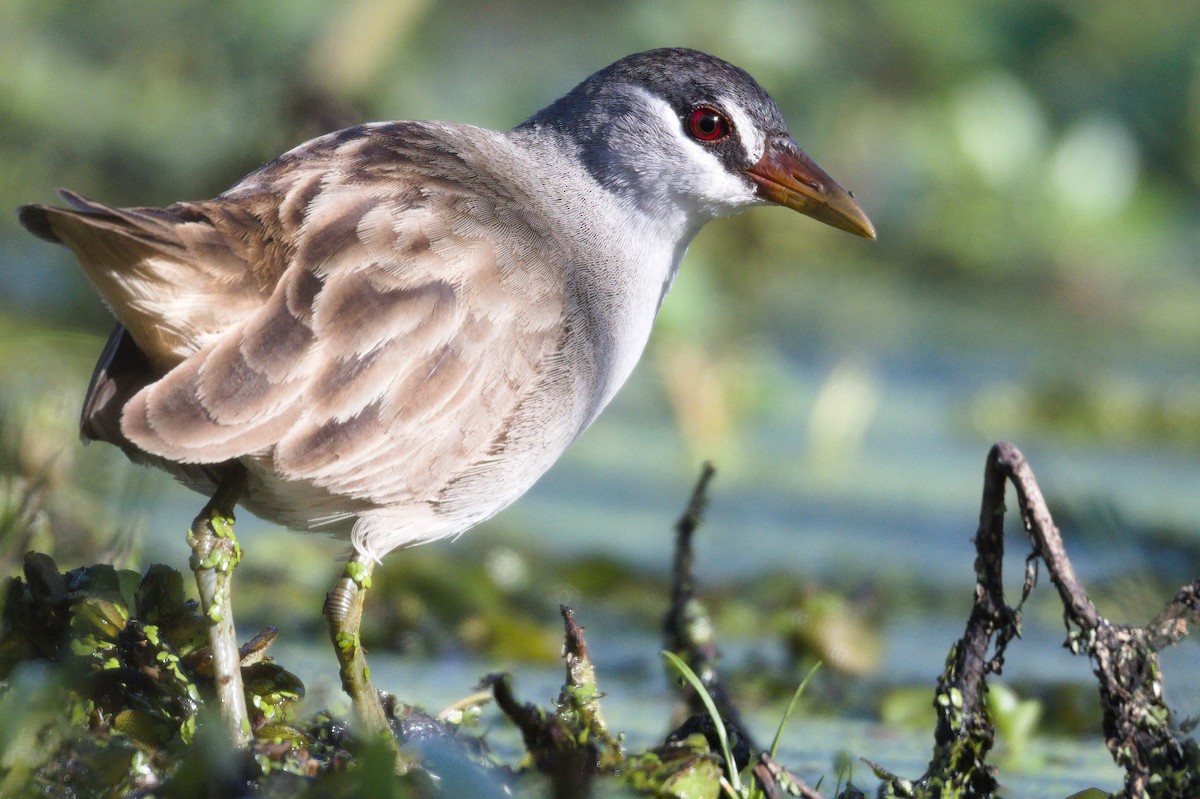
<point>688,630</point>
<point>571,743</point>
<point>777,782</point>
<point>1137,722</point>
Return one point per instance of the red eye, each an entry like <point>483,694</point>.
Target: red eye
<point>707,124</point>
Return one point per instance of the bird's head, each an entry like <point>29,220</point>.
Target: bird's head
<point>680,128</point>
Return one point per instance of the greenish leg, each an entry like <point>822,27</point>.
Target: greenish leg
<point>215,552</point>
<point>343,612</point>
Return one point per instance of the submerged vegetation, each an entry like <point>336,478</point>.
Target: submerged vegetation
<point>107,676</point>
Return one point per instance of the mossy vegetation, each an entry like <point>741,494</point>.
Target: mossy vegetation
<point>107,691</point>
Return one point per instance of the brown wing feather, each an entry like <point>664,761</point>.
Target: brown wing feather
<point>121,372</point>
<point>174,277</point>
<point>396,344</point>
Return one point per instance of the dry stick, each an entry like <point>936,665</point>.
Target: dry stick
<point>571,743</point>
<point>687,629</point>
<point>778,783</point>
<point>1008,462</point>
<point>1136,719</point>
<point>964,733</point>
<point>688,633</point>
<point>580,698</point>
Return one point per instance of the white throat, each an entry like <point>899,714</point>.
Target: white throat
<point>668,175</point>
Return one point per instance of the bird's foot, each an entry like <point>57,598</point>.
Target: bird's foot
<point>215,552</point>
<point>343,612</point>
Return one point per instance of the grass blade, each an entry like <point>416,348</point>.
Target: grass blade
<point>686,671</point>
<point>792,707</point>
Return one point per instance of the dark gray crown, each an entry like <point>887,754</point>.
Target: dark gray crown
<point>683,77</point>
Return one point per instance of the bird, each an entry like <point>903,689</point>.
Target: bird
<point>390,332</point>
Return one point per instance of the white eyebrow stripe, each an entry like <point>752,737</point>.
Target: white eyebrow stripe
<point>753,139</point>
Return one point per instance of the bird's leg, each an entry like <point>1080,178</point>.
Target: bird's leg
<point>214,554</point>
<point>343,612</point>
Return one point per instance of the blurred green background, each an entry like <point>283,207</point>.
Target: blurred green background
<point>1033,169</point>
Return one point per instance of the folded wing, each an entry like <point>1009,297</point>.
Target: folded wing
<point>408,320</point>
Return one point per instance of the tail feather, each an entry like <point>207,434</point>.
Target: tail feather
<point>171,277</point>
<point>121,251</point>
<point>155,227</point>
<point>36,219</point>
